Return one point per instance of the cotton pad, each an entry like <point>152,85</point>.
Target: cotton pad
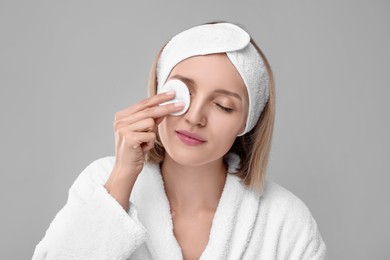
<point>182,94</point>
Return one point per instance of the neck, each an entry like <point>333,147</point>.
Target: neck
<point>193,189</point>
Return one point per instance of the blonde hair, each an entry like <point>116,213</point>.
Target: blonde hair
<point>253,148</point>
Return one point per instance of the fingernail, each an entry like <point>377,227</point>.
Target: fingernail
<point>178,104</point>
<point>170,93</point>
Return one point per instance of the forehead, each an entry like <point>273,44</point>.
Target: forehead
<point>211,70</point>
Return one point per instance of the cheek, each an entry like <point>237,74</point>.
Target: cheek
<point>225,131</point>
<point>166,127</point>
<point>163,129</point>
<point>227,125</point>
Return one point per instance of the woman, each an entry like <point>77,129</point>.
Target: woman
<point>189,183</point>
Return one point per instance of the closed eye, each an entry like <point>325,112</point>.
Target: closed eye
<point>226,109</point>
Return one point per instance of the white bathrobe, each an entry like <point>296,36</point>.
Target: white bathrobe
<point>246,225</point>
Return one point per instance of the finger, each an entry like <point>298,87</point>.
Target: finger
<point>146,103</point>
<point>145,125</point>
<point>158,121</point>
<point>142,139</point>
<point>148,145</point>
<point>153,112</point>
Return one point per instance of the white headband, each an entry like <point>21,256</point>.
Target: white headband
<point>219,38</point>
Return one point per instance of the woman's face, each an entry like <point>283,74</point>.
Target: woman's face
<point>217,113</point>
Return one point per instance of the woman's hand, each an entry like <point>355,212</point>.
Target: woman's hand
<point>135,129</point>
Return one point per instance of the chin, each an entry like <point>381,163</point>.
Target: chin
<point>192,158</point>
<point>188,159</point>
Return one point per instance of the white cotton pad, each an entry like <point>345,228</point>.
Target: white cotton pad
<point>182,94</point>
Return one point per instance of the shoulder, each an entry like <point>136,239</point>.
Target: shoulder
<point>284,208</point>
<point>282,201</point>
<point>288,216</point>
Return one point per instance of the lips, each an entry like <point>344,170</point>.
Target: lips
<point>189,138</point>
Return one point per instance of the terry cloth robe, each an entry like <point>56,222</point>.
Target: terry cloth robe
<point>246,225</point>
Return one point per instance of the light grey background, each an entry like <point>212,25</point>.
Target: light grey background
<point>66,67</point>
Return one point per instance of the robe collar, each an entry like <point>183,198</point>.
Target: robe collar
<point>231,227</point>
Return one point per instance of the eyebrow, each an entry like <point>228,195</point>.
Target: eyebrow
<point>191,82</point>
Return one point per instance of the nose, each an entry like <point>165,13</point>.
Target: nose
<point>196,114</point>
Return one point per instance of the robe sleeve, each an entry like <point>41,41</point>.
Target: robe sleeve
<point>92,224</point>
